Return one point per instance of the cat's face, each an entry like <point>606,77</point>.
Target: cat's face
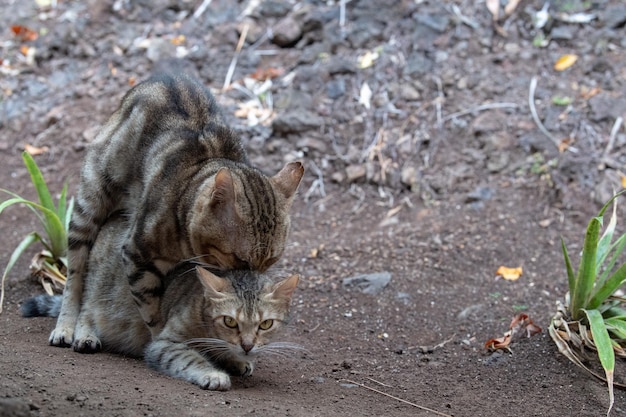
<point>246,314</point>
<point>241,219</point>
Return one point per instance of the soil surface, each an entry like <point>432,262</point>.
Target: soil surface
<point>424,165</point>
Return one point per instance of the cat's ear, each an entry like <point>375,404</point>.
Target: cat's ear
<point>223,189</point>
<point>288,179</point>
<point>284,289</point>
<point>213,285</point>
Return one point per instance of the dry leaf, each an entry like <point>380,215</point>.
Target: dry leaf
<point>23,33</point>
<point>262,74</point>
<point>565,62</point>
<point>586,92</point>
<point>367,59</point>
<point>34,151</point>
<point>623,181</point>
<point>510,274</point>
<point>178,40</point>
<point>365,96</point>
<point>521,327</point>
<point>564,144</point>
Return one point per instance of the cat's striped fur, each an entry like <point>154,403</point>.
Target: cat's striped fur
<point>167,160</point>
<point>212,326</point>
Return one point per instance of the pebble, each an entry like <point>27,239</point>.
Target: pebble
<point>296,121</point>
<point>335,88</point>
<point>369,283</point>
<point>287,32</point>
<point>417,65</point>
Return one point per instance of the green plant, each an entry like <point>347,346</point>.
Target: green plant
<point>593,315</point>
<point>50,265</point>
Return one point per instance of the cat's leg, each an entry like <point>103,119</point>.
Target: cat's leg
<point>85,338</point>
<point>146,287</point>
<point>181,361</point>
<point>93,204</point>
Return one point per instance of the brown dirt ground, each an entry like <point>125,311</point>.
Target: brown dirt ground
<point>420,339</point>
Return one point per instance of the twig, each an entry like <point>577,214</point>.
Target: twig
<point>439,101</point>
<point>482,107</point>
<point>378,382</point>
<point>201,9</point>
<point>397,399</point>
<point>233,63</point>
<point>609,146</point>
<point>533,112</point>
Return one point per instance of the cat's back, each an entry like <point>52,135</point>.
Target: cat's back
<point>169,119</point>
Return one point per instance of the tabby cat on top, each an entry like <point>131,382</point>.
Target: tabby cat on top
<point>213,325</point>
<point>166,159</point>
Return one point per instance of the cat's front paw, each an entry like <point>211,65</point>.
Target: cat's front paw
<point>88,344</point>
<point>246,368</point>
<point>215,381</point>
<point>61,336</point>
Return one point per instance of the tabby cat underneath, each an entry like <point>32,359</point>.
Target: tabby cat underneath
<point>213,325</point>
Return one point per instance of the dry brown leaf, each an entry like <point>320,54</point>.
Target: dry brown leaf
<point>510,274</point>
<point>586,92</point>
<point>178,40</point>
<point>262,74</point>
<point>34,150</point>
<point>564,144</point>
<point>521,327</point>
<point>565,61</point>
<point>23,33</point>
<point>623,181</point>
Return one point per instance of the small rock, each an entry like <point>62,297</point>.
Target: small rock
<point>355,172</point>
<point>498,161</point>
<point>271,8</point>
<point>335,88</point>
<point>417,64</point>
<point>287,32</point>
<point>296,121</point>
<point>615,16</point>
<point>603,106</point>
<point>308,144</point>
<point>438,23</point>
<point>369,283</point>
<point>364,32</point>
<point>409,176</point>
<point>340,65</point>
<point>563,33</point>
<point>480,194</point>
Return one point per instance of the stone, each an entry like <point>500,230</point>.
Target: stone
<point>480,194</point>
<point>355,172</point>
<point>296,121</point>
<point>335,88</point>
<point>603,107</point>
<point>417,65</point>
<point>371,284</point>
<point>563,33</point>
<point>287,32</point>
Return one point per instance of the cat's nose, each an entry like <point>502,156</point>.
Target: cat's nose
<point>247,347</point>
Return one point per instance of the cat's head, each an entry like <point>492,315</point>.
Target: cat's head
<point>241,219</point>
<point>247,310</point>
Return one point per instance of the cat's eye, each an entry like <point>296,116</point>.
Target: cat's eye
<point>266,324</point>
<point>230,322</point>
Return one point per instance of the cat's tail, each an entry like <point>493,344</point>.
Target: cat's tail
<point>42,306</point>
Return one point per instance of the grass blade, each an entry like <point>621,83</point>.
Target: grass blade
<point>24,244</point>
<point>602,340</point>
<point>586,269</point>
<point>571,278</point>
<point>38,181</point>
<point>616,249</point>
<point>605,241</point>
<point>617,326</point>
<point>609,287</point>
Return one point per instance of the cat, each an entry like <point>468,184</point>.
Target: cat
<point>214,326</point>
<point>166,159</point>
